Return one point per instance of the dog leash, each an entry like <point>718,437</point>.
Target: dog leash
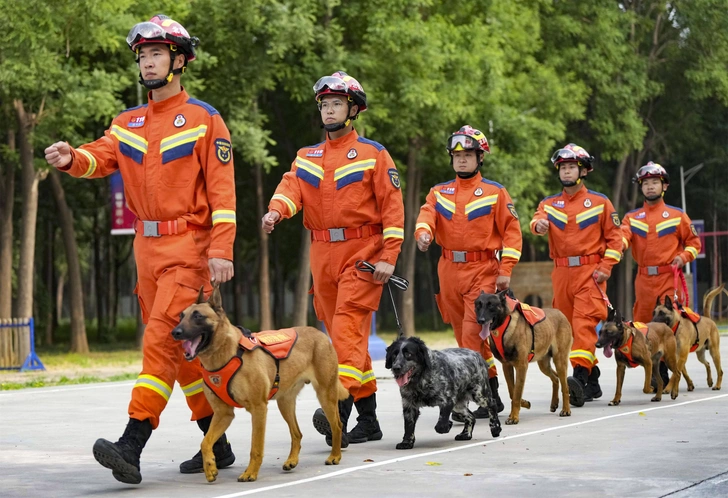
<point>399,282</point>
<point>604,296</point>
<point>679,282</point>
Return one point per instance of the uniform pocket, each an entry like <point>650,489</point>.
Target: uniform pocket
<point>184,292</point>
<point>441,307</point>
<point>142,306</point>
<point>317,308</point>
<point>362,291</point>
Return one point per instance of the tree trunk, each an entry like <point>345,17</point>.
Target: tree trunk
<point>50,272</point>
<point>237,280</point>
<point>409,247</point>
<point>79,341</point>
<point>112,291</point>
<point>98,279</point>
<point>303,281</point>
<point>266,316</point>
<point>7,194</point>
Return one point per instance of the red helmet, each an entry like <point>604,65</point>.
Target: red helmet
<point>162,29</point>
<point>341,83</point>
<point>573,153</point>
<point>467,138</point>
<point>652,170</point>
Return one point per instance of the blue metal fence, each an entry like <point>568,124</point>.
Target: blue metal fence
<point>17,335</point>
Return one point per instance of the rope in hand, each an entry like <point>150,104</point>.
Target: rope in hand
<point>679,283</point>
<point>604,296</point>
<point>399,282</point>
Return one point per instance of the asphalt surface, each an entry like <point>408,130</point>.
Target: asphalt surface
<point>672,448</point>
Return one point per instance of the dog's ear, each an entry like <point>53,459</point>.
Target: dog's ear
<point>502,296</point>
<point>423,353</point>
<point>618,316</point>
<point>201,295</point>
<point>391,353</point>
<point>610,315</point>
<point>216,299</point>
<point>509,293</point>
<point>658,301</point>
<point>668,302</point>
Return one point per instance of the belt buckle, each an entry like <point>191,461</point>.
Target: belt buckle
<point>574,261</point>
<point>653,270</point>
<point>336,234</point>
<point>151,229</point>
<point>459,256</point>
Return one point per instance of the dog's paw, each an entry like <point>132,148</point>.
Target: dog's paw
<point>565,413</point>
<point>615,402</point>
<point>691,387</point>
<point>463,436</point>
<point>553,408</point>
<point>525,404</point>
<point>495,431</point>
<point>443,426</point>
<point>211,476</point>
<point>405,445</point>
<point>290,464</point>
<point>716,388</point>
<point>710,381</point>
<point>333,460</point>
<point>656,398</point>
<point>648,390</point>
<point>673,394</point>
<point>511,420</point>
<point>248,476</point>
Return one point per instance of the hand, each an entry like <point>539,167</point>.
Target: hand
<point>678,262</point>
<point>601,276</point>
<point>269,221</point>
<point>502,282</point>
<point>424,241</point>
<point>382,271</point>
<point>221,270</point>
<point>59,155</point>
<point>542,226</point>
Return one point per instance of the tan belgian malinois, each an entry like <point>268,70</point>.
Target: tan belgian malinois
<point>633,348</point>
<point>207,333</point>
<point>549,339</point>
<point>691,337</point>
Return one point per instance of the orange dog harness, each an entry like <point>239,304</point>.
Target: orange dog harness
<point>686,312</point>
<point>626,350</point>
<point>532,316</point>
<point>277,343</point>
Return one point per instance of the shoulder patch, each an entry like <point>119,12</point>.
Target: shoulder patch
<point>394,177</point>
<point>374,144</point>
<point>615,219</point>
<point>597,193</point>
<point>223,150</point>
<point>512,210</point>
<point>674,207</point>
<point>491,182</point>
<point>692,229</point>
<point>210,110</point>
<point>131,109</point>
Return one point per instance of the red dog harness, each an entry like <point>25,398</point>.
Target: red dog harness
<point>686,312</point>
<point>277,343</point>
<point>626,350</point>
<point>533,316</point>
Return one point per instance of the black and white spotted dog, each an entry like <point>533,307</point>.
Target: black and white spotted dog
<point>448,379</point>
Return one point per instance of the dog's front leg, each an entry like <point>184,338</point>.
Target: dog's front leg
<point>621,367</point>
<point>654,364</point>
<point>444,424</point>
<point>221,419</point>
<point>258,414</point>
<point>411,414</point>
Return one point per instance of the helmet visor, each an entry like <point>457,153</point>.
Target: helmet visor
<point>650,171</point>
<point>333,83</point>
<point>145,30</point>
<point>564,155</point>
<point>462,142</point>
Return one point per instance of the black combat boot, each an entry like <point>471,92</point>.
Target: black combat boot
<point>593,391</point>
<point>224,456</point>
<point>122,457</point>
<point>577,385</point>
<point>321,423</point>
<point>367,426</point>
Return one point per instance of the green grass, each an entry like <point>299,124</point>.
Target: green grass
<point>120,354</point>
<point>64,381</point>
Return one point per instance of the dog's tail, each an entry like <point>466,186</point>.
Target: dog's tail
<point>709,297</point>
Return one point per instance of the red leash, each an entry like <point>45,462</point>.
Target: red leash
<point>680,283</point>
<point>604,296</point>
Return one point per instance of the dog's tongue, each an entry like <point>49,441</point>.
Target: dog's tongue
<point>404,379</point>
<point>485,331</point>
<point>191,346</point>
<point>608,351</point>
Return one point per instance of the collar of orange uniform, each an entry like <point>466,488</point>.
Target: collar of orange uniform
<point>581,191</point>
<point>170,103</point>
<point>346,141</point>
<point>468,182</point>
<point>659,205</point>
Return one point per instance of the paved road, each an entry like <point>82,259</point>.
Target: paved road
<point>638,449</point>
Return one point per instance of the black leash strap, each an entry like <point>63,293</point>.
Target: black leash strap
<point>399,282</point>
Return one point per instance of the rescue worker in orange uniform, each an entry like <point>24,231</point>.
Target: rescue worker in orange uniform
<point>349,189</point>
<point>585,242</point>
<point>471,218</point>
<point>175,158</point>
<point>661,237</point>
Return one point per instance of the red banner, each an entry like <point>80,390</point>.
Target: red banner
<point>122,219</point>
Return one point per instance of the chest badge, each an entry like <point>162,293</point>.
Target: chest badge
<point>216,379</point>
<point>315,153</point>
<point>136,121</point>
<point>587,203</point>
<point>352,153</point>
<point>478,192</point>
<point>665,214</point>
<point>558,204</point>
<point>447,190</point>
<point>179,121</point>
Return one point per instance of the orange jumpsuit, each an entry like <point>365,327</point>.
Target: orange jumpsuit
<point>470,219</point>
<point>584,236</point>
<point>175,158</point>
<point>657,234</point>
<point>350,191</point>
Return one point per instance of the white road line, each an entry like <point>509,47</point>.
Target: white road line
<point>103,385</point>
<point>460,448</point>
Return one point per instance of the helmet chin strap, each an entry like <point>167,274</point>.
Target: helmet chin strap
<point>465,176</point>
<point>156,84</point>
<point>653,197</point>
<point>570,183</point>
<point>330,128</point>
